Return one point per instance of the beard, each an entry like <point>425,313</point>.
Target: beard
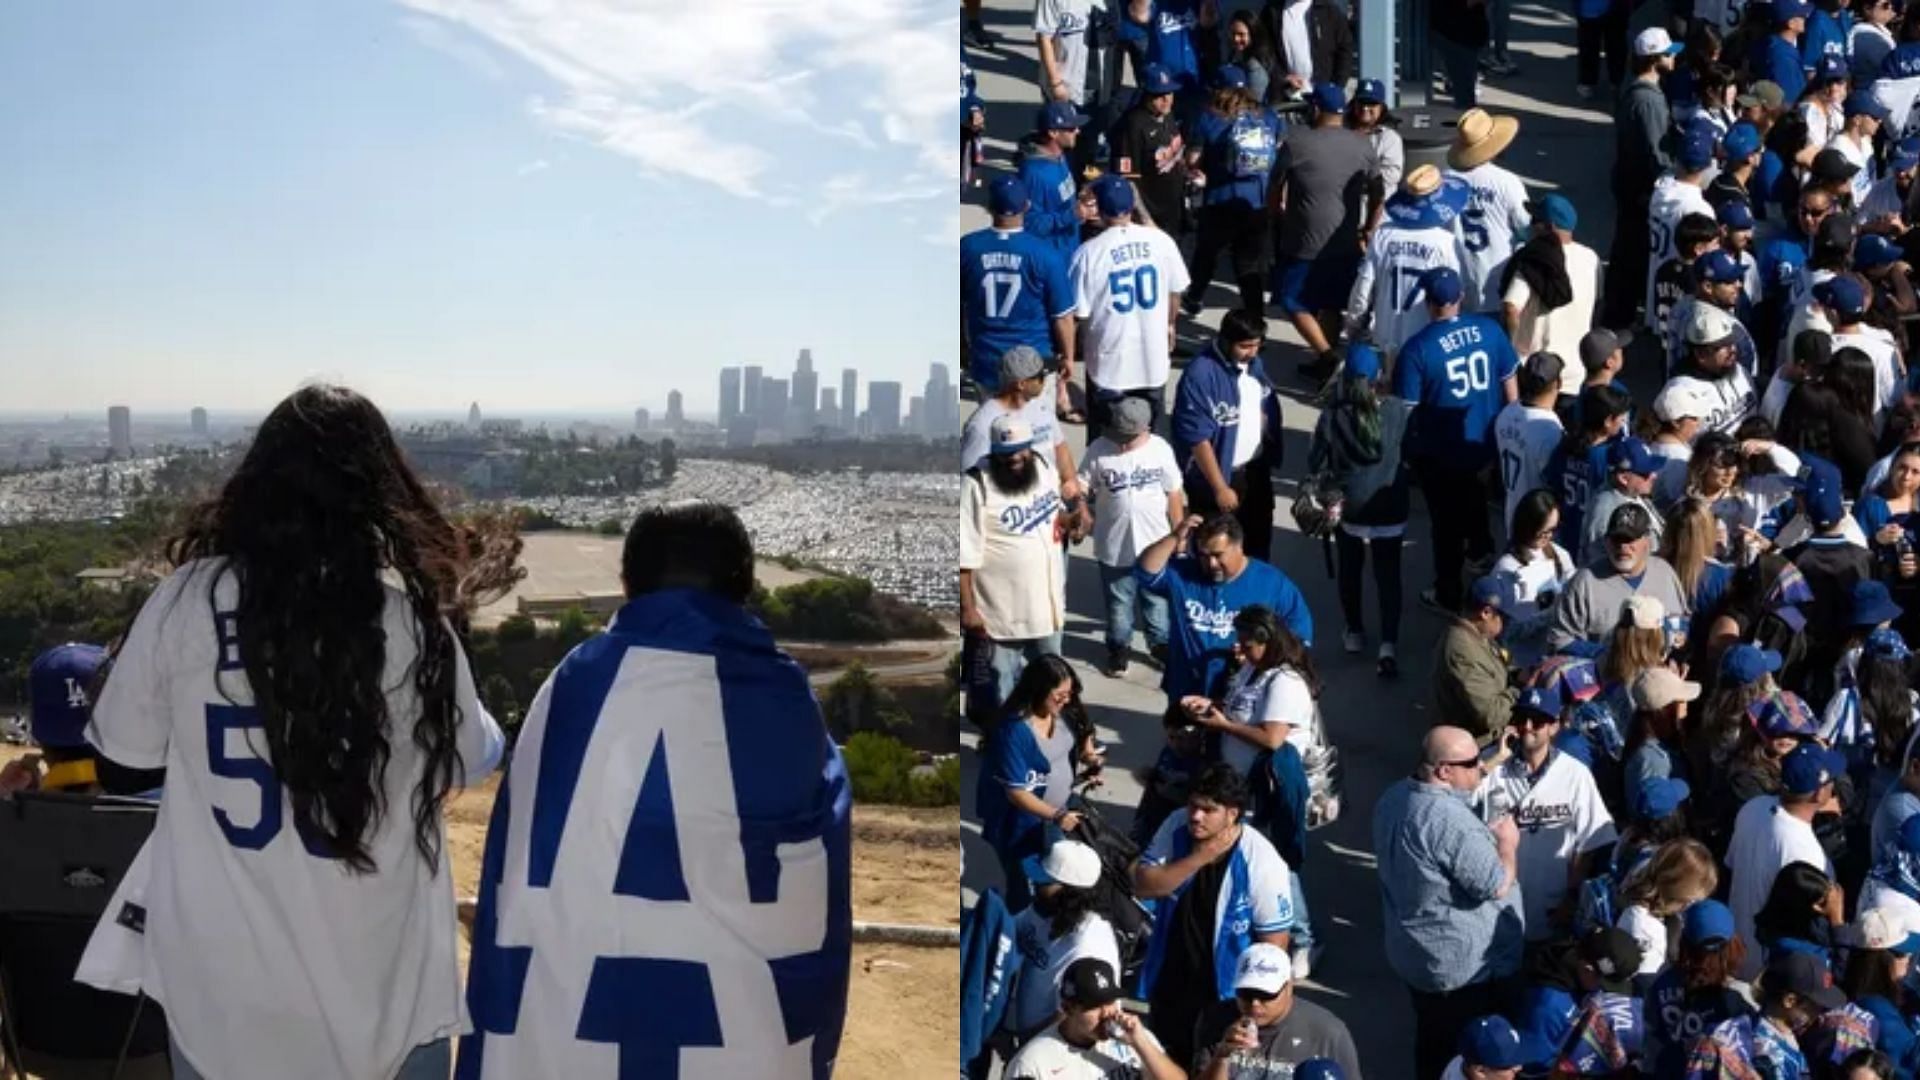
<point>1011,478</point>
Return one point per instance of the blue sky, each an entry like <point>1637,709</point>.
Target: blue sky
<point>536,204</point>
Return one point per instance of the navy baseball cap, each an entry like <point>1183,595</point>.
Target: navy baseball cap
<point>1821,491</point>
<point>1718,267</point>
<point>1492,1043</point>
<point>1486,592</point>
<point>1543,700</point>
<point>1113,194</point>
<point>1441,286</point>
<point>1871,604</point>
<point>1631,455</point>
<point>1805,974</point>
<point>1696,149</point>
<point>1059,116</point>
<point>1007,196</point>
<point>1742,140</point>
<point>60,693</point>
<point>1556,211</point>
<point>1370,92</point>
<point>1873,251</point>
<point>1861,102</point>
<point>1905,155</point>
<point>1230,76</point>
<point>1736,215</point>
<point>1363,360</point>
<point>1706,922</point>
<point>1657,797</point>
<point>1887,644</point>
<point>1158,82</point>
<point>1842,295</point>
<point>1784,11</point>
<point>1830,69</point>
<point>1744,663</point>
<point>1328,97</point>
<point>1809,768</point>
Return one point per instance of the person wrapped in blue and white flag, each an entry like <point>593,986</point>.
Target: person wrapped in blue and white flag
<point>666,889</point>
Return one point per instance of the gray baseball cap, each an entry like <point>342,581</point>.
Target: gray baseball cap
<point>1020,362</point>
<point>1131,415</point>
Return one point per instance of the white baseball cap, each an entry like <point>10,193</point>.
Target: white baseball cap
<point>1681,401</point>
<point>1709,325</point>
<point>1643,612</point>
<point>1067,862</point>
<point>1655,42</point>
<point>1879,928</point>
<point>1010,434</point>
<point>1263,967</point>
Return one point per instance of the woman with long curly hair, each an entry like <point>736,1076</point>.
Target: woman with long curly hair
<point>1679,873</point>
<point>299,679</point>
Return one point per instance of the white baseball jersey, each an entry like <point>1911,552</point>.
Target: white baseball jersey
<point>1493,225</point>
<point>1732,397</point>
<point>1898,89</point>
<point>1045,958</point>
<point>272,961</point>
<point>1050,1057</point>
<point>1526,437</point>
<point>1860,154</point>
<point>1125,283</point>
<point>1389,276</point>
<point>976,435</point>
<point>1561,817</point>
<point>1672,200</point>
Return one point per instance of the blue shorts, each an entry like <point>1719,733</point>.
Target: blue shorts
<point>1310,286</point>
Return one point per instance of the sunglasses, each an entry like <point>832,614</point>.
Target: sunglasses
<point>1470,763</point>
<point>1253,997</point>
<point>1531,720</point>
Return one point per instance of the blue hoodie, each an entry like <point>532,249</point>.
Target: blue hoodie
<point>1053,212</point>
<point>1206,408</point>
<point>986,971</point>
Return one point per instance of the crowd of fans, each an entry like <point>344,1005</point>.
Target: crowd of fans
<point>1669,821</point>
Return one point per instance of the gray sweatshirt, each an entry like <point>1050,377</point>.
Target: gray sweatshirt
<point>1589,608</point>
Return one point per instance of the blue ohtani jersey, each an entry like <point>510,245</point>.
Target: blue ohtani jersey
<point>1452,372</point>
<point>1012,287</point>
<point>666,890</point>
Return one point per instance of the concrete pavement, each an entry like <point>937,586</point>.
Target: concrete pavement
<point>1564,144</point>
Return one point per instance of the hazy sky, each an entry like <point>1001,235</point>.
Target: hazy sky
<point>537,204</point>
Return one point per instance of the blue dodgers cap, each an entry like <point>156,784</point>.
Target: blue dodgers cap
<point>1707,923</point>
<point>1781,714</point>
<point>1556,211</point>
<point>1631,455</point>
<point>1059,116</point>
<point>1873,251</point>
<point>1809,768</point>
<point>1441,286</point>
<point>1742,140</point>
<point>1158,81</point>
<point>1492,1043</point>
<point>1370,92</point>
<point>1719,268</point>
<point>1862,102</point>
<point>1821,491</point>
<point>1544,700</point>
<point>1230,77</point>
<point>60,693</point>
<point>1842,295</point>
<point>1830,69</point>
<point>1487,593</point>
<point>1319,1069</point>
<point>1328,97</point>
<point>1113,194</point>
<point>1871,604</point>
<point>1007,196</point>
<point>1736,215</point>
<point>1744,664</point>
<point>1363,361</point>
<point>1784,11</point>
<point>1657,797</point>
<point>1696,149</point>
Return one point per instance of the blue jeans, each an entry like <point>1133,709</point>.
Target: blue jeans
<point>1127,604</point>
<point>1302,922</point>
<point>1010,658</point>
<point>429,1061</point>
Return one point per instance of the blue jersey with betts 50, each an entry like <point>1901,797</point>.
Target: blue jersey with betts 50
<point>1453,372</point>
<point>1012,287</point>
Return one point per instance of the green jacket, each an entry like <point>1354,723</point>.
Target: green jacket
<point>1470,683</point>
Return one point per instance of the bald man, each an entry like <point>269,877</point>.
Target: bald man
<point>1449,883</point>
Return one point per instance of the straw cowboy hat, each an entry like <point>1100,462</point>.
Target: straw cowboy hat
<point>1480,138</point>
<point>1427,199</point>
<point>1421,181</point>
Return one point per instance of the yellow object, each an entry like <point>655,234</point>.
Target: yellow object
<point>69,774</point>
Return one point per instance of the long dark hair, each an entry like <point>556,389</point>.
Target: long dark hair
<point>1885,703</point>
<point>1257,622</point>
<point>321,505</point>
<point>1039,678</point>
<point>1529,519</point>
<point>1851,377</point>
<point>1793,906</point>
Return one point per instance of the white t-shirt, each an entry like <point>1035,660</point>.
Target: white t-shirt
<point>272,961</point>
<point>1247,436</point>
<point>1043,960</point>
<point>1254,698</point>
<point>1007,541</point>
<point>1672,200</point>
<point>1065,21</point>
<point>1526,437</point>
<point>1522,585</point>
<point>1559,331</point>
<point>1766,840</point>
<point>1561,817</point>
<point>1647,932</point>
<point>1495,216</point>
<point>1130,490</point>
<point>976,435</point>
<point>1861,156</point>
<point>1824,121</point>
<point>1125,282</point>
<point>1049,1057</point>
<point>1388,275</point>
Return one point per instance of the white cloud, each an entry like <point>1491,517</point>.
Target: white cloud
<point>531,167</point>
<point>855,189</point>
<point>771,81</point>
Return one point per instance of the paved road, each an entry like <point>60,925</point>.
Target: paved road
<point>1563,144</point>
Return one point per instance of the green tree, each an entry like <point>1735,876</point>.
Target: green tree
<point>611,527</point>
<point>573,627</point>
<point>515,628</point>
<point>879,767</point>
<point>856,702</point>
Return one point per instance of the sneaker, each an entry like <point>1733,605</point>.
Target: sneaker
<point>1585,92</point>
<point>1354,641</point>
<point>1488,63</point>
<point>1505,67</point>
<point>1430,599</point>
<point>1304,958</point>
<point>1116,661</point>
<point>1389,664</point>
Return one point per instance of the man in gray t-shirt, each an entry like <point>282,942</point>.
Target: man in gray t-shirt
<point>1266,1030</point>
<point>1323,171</point>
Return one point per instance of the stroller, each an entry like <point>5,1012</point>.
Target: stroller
<point>1114,900</point>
